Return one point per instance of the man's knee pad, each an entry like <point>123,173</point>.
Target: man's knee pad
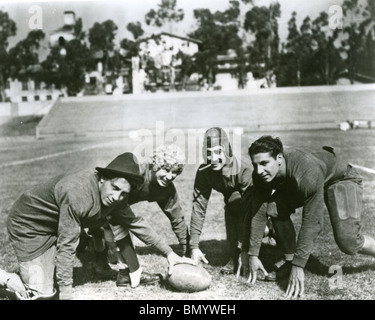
<point>350,244</point>
<point>344,203</point>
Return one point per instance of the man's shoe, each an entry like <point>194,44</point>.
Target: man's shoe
<point>123,278</point>
<point>281,269</point>
<point>149,278</point>
<point>102,268</point>
<point>229,268</point>
<point>104,272</point>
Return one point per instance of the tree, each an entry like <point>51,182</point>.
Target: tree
<point>219,32</point>
<point>23,57</point>
<point>187,68</point>
<point>305,53</point>
<point>67,70</point>
<point>311,55</point>
<point>229,16</point>
<point>101,35</point>
<point>79,34</point>
<point>101,38</point>
<point>360,38</point>
<point>130,47</point>
<point>262,22</point>
<point>289,70</point>
<point>135,29</point>
<point>327,62</point>
<point>67,63</point>
<point>167,14</point>
<point>8,29</point>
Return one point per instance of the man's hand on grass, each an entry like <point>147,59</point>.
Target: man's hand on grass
<point>296,285</point>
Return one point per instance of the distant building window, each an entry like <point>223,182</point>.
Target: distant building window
<point>25,85</point>
<point>7,85</point>
<point>61,41</point>
<point>37,85</point>
<point>49,97</point>
<point>24,99</point>
<point>36,98</point>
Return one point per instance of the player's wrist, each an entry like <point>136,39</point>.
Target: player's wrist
<point>253,251</point>
<point>299,262</point>
<point>170,254</point>
<point>194,241</point>
<point>66,292</point>
<point>194,247</point>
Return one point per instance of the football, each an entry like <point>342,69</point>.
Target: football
<point>189,278</point>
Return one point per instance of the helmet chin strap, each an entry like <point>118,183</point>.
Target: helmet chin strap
<point>229,160</point>
<point>205,167</point>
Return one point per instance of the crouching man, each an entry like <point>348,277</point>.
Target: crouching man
<point>45,222</point>
<point>164,165</point>
<point>314,180</point>
<point>222,172</point>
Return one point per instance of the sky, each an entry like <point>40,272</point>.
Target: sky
<point>123,12</point>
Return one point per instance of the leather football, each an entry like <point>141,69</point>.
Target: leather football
<point>189,278</point>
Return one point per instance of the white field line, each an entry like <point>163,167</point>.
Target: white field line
<point>52,155</point>
<point>368,170</point>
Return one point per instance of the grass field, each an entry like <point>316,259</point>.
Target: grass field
<point>25,161</point>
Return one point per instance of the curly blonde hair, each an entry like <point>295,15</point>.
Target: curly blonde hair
<point>167,157</point>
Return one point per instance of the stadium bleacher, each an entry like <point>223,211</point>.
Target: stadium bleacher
<point>266,109</point>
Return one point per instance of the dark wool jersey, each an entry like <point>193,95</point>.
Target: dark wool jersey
<point>307,176</point>
<point>167,199</point>
<point>234,177</point>
<point>54,212</point>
